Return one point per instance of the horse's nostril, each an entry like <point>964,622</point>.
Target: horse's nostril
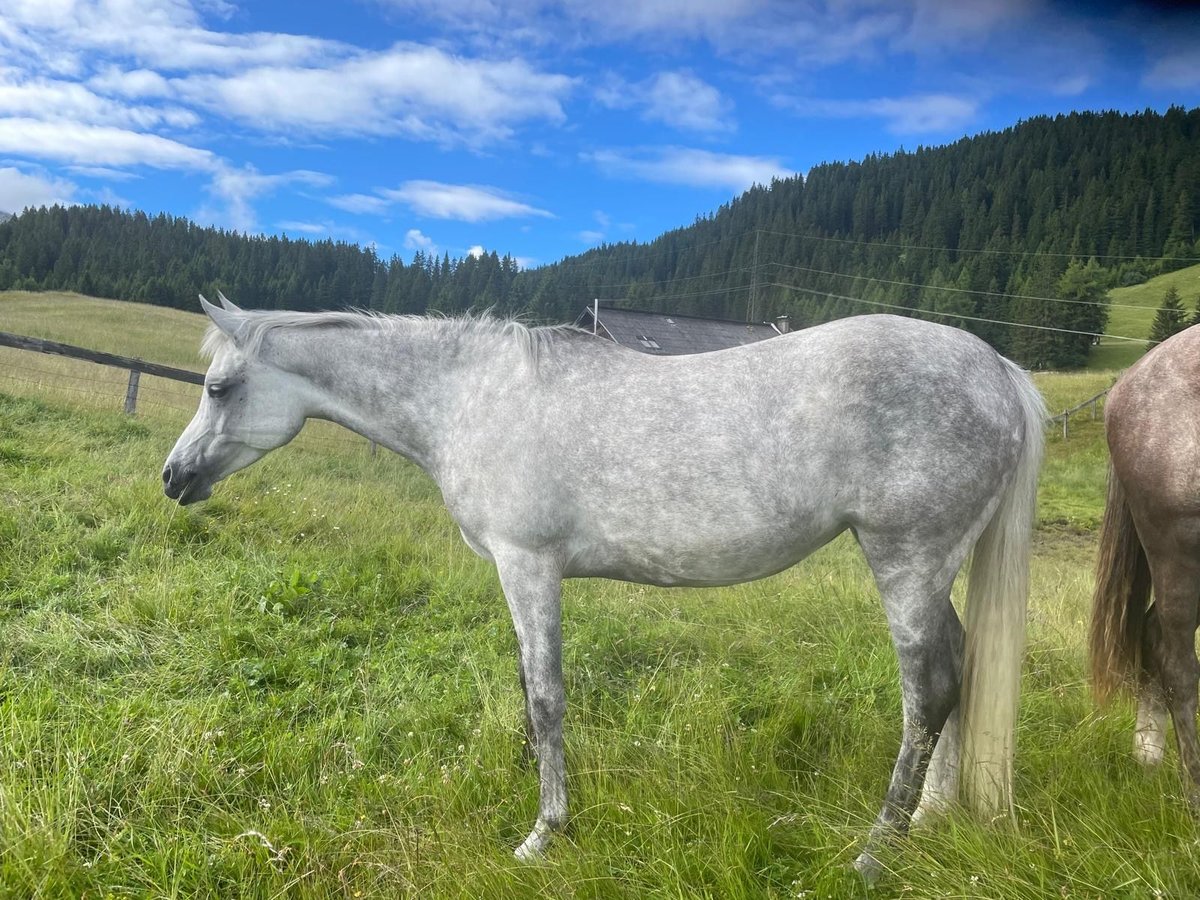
<point>166,475</point>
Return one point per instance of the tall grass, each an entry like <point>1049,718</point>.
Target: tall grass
<point>307,687</point>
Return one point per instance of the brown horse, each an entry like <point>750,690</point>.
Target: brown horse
<point>1151,539</point>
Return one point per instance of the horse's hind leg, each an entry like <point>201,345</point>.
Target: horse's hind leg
<point>940,791</point>
<point>1150,733</point>
<point>928,639</point>
<point>1176,598</point>
<point>528,737</point>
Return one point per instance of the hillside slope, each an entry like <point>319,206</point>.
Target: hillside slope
<point>1132,313</point>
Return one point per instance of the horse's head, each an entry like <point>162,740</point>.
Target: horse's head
<point>249,408</point>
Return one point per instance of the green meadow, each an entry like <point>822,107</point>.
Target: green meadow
<point>1132,313</point>
<point>306,686</point>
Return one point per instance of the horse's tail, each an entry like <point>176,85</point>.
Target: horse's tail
<point>1121,600</point>
<point>997,594</point>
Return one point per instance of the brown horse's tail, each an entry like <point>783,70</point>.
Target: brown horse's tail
<point>1121,600</point>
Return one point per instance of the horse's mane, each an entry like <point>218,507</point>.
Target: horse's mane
<point>257,324</point>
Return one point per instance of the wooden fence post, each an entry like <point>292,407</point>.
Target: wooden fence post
<point>131,393</point>
<point>1066,417</point>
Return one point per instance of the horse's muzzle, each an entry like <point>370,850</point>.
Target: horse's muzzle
<point>184,484</point>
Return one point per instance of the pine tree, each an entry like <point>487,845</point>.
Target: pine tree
<point>1170,319</point>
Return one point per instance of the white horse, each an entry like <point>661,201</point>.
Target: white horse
<point>561,455</point>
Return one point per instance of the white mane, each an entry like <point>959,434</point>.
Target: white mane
<point>257,324</point>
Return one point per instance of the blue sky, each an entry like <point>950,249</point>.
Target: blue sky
<point>533,128</point>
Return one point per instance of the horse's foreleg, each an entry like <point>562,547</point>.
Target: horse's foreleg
<point>532,587</point>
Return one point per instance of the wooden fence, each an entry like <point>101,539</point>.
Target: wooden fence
<point>134,366</point>
<point>1065,416</point>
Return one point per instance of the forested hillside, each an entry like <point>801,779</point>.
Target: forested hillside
<point>1031,225</point>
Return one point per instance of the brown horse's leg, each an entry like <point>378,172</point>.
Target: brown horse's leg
<point>1176,599</point>
<point>1150,735</point>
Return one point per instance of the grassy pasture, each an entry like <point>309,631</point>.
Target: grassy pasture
<point>306,687</point>
<point>1132,314</point>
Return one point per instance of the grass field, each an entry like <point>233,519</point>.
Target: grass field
<point>306,687</point>
<point>1132,314</point>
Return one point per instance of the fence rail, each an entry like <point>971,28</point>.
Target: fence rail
<point>1065,416</point>
<point>134,366</point>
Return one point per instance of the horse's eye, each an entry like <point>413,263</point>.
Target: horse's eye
<point>217,391</point>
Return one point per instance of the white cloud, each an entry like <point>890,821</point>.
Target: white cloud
<point>678,99</point>
<point>420,92</point>
<point>462,202</point>
<point>951,22</point>
<point>606,21</point>
<point>107,196</point>
<point>591,237</point>
<point>302,227</point>
<point>684,101</point>
<point>916,114</point>
<point>1176,69</point>
<point>236,188</point>
<point>697,168</point>
<point>162,34</point>
<point>820,31</point>
<point>1071,85</point>
<point>476,251</point>
<point>415,240</point>
<point>131,83</point>
<point>99,145</point>
<point>361,203</point>
<point>42,98</point>
<point>19,190</point>
<point>103,172</point>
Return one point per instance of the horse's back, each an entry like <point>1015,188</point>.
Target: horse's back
<point>1152,422</point>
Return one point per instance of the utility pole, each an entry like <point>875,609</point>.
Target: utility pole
<point>753,304</point>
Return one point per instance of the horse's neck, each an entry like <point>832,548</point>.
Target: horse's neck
<point>401,387</point>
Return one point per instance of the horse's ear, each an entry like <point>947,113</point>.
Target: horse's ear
<point>228,321</point>
<point>227,303</point>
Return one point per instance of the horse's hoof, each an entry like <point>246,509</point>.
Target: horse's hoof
<point>533,848</point>
<point>868,867</point>
<point>527,854</point>
<point>930,812</point>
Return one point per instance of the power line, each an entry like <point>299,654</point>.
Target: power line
<point>1022,253</point>
<point>935,287</point>
<point>728,290</point>
<point>957,316</point>
<point>651,252</point>
<point>627,284</point>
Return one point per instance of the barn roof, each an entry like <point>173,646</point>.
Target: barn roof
<point>671,335</point>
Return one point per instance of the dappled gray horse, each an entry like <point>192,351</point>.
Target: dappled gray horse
<point>561,455</point>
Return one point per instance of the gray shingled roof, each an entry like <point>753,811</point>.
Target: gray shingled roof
<point>664,335</point>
